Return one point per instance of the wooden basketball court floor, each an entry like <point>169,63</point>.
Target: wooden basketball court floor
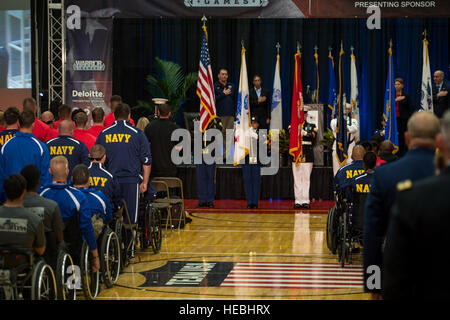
<point>229,252</point>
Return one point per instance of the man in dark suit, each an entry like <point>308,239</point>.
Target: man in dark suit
<point>418,163</point>
<point>440,94</point>
<point>419,230</point>
<point>260,103</point>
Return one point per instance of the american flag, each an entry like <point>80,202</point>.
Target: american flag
<point>205,88</point>
<point>294,275</point>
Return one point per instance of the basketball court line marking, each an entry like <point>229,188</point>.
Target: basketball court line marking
<point>255,231</point>
<point>245,253</point>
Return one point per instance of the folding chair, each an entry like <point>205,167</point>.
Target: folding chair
<point>160,204</point>
<point>173,183</point>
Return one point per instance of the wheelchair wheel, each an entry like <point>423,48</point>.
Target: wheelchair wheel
<point>66,277</point>
<point>145,228</point>
<point>122,234</point>
<point>155,230</point>
<point>344,249</point>
<point>43,283</point>
<point>331,242</point>
<point>110,257</point>
<point>91,280</point>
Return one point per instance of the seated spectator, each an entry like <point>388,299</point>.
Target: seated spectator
<point>65,145</point>
<point>386,151</point>
<point>101,179</point>
<point>11,116</point>
<point>45,209</point>
<point>350,171</point>
<point>80,133</point>
<point>20,228</point>
<point>48,118</point>
<point>64,113</point>
<point>110,118</point>
<point>142,123</point>
<point>159,133</point>
<point>361,187</point>
<point>99,204</point>
<point>41,131</point>
<point>98,116</point>
<point>74,208</point>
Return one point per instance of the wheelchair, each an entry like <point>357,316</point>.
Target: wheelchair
<point>22,276</point>
<point>77,253</point>
<point>333,220</point>
<point>349,230</point>
<point>147,230</point>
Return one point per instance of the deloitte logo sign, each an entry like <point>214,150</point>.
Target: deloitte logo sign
<point>88,65</point>
<point>87,94</point>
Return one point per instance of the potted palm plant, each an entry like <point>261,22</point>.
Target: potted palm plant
<point>171,83</point>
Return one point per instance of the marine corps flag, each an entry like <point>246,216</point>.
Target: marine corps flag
<point>389,114</point>
<point>297,114</point>
<point>341,128</point>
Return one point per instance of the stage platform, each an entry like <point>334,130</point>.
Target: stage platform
<point>230,183</point>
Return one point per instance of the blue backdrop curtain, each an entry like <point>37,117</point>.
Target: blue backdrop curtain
<point>138,41</point>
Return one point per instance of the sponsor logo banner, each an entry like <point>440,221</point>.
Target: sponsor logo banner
<point>262,8</point>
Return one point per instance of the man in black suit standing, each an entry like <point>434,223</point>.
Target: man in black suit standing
<point>440,94</point>
<point>418,232</point>
<point>260,103</point>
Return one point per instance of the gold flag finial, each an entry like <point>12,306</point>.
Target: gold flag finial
<point>204,20</point>
<point>298,47</point>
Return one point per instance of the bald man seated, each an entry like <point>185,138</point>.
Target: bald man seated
<point>75,211</point>
<point>354,169</point>
<point>75,151</point>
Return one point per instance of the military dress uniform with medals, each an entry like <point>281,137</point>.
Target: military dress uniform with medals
<point>251,170</point>
<point>302,172</point>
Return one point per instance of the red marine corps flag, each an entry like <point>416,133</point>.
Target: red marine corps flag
<point>297,114</point>
<point>205,88</point>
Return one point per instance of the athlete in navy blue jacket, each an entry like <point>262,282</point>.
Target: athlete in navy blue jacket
<point>24,149</point>
<point>350,171</point>
<point>11,116</point>
<point>72,203</point>
<point>128,158</point>
<point>98,203</point>
<point>74,150</point>
<point>101,179</point>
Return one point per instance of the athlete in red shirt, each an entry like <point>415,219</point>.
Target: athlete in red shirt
<point>81,133</point>
<point>109,119</point>
<point>64,113</point>
<point>41,131</point>
<point>98,116</point>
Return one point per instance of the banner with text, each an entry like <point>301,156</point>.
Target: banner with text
<point>264,8</point>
